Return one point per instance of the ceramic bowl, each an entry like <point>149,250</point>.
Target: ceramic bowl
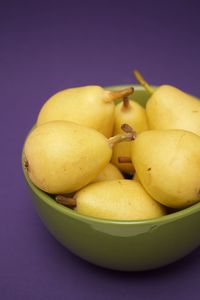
<point>121,245</point>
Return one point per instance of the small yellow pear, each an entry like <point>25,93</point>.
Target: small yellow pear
<point>170,108</point>
<point>61,157</point>
<point>134,114</point>
<point>110,172</point>
<point>91,106</point>
<point>116,200</point>
<point>167,163</point>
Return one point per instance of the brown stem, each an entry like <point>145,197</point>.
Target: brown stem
<point>127,128</point>
<point>143,82</point>
<point>121,137</point>
<point>124,159</point>
<point>126,103</point>
<point>70,202</point>
<point>115,95</point>
<point>128,136</point>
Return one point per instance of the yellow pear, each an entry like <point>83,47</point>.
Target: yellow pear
<point>167,163</point>
<point>134,114</point>
<point>115,200</point>
<point>170,108</point>
<point>61,157</point>
<point>91,106</point>
<point>110,172</point>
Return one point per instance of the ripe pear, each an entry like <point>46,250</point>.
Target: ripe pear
<point>110,172</point>
<point>170,108</point>
<point>134,114</point>
<point>167,163</point>
<point>115,200</point>
<point>61,157</point>
<point>91,106</point>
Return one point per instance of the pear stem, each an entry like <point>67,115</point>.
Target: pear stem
<point>126,103</point>
<point>143,82</point>
<point>115,95</point>
<point>67,201</point>
<point>124,159</point>
<point>127,128</point>
<point>128,136</point>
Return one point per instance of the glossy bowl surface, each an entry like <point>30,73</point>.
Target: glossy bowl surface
<point>121,245</point>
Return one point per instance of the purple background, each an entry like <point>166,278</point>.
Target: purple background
<point>46,46</point>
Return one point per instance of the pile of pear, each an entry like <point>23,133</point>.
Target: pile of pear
<point>104,155</point>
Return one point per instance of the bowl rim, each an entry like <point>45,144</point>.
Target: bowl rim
<point>73,214</point>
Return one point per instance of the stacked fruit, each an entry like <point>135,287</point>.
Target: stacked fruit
<point>123,161</point>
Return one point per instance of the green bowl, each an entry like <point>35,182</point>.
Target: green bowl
<point>121,245</point>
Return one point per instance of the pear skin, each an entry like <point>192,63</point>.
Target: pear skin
<point>62,157</point>
<point>110,172</point>
<point>167,163</point>
<point>134,114</point>
<point>90,106</point>
<point>171,108</point>
<point>117,200</point>
<point>135,177</point>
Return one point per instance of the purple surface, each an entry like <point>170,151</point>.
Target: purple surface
<point>49,45</point>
